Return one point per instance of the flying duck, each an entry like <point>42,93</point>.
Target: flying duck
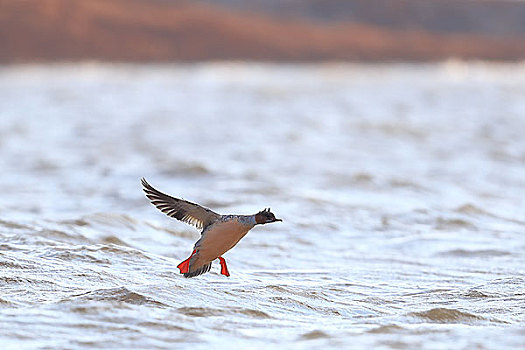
<point>219,234</point>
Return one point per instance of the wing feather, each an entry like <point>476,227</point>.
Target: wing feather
<point>180,209</point>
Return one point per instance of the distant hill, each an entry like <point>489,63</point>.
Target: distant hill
<point>486,17</point>
<point>173,30</point>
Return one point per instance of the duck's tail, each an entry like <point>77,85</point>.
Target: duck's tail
<point>186,267</point>
<point>199,271</point>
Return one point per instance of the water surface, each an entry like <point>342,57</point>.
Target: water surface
<point>401,188</point>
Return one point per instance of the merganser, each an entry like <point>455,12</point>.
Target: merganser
<point>220,233</point>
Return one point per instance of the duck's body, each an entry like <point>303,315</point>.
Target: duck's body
<point>216,239</point>
<point>220,233</point>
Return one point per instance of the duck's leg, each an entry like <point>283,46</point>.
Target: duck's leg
<point>184,266</point>
<point>224,268</point>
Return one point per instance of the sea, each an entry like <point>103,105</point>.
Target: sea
<point>401,187</point>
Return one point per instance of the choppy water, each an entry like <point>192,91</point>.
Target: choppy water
<point>402,189</point>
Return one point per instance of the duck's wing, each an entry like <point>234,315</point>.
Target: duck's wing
<point>180,209</point>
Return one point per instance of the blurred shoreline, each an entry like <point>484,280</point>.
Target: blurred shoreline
<point>208,31</point>
<point>450,62</point>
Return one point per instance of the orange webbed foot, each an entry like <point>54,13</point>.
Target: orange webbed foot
<point>224,268</point>
<point>184,266</point>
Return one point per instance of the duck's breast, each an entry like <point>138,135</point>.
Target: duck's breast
<point>221,237</point>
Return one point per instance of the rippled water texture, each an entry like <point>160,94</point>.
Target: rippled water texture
<point>402,190</point>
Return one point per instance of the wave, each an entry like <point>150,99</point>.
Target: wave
<point>315,334</point>
<point>444,315</point>
<point>386,329</point>
<point>474,253</point>
<point>207,311</point>
<point>120,294</point>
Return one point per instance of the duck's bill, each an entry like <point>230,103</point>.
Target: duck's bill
<point>278,219</point>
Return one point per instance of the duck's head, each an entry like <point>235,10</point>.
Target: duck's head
<point>265,217</point>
